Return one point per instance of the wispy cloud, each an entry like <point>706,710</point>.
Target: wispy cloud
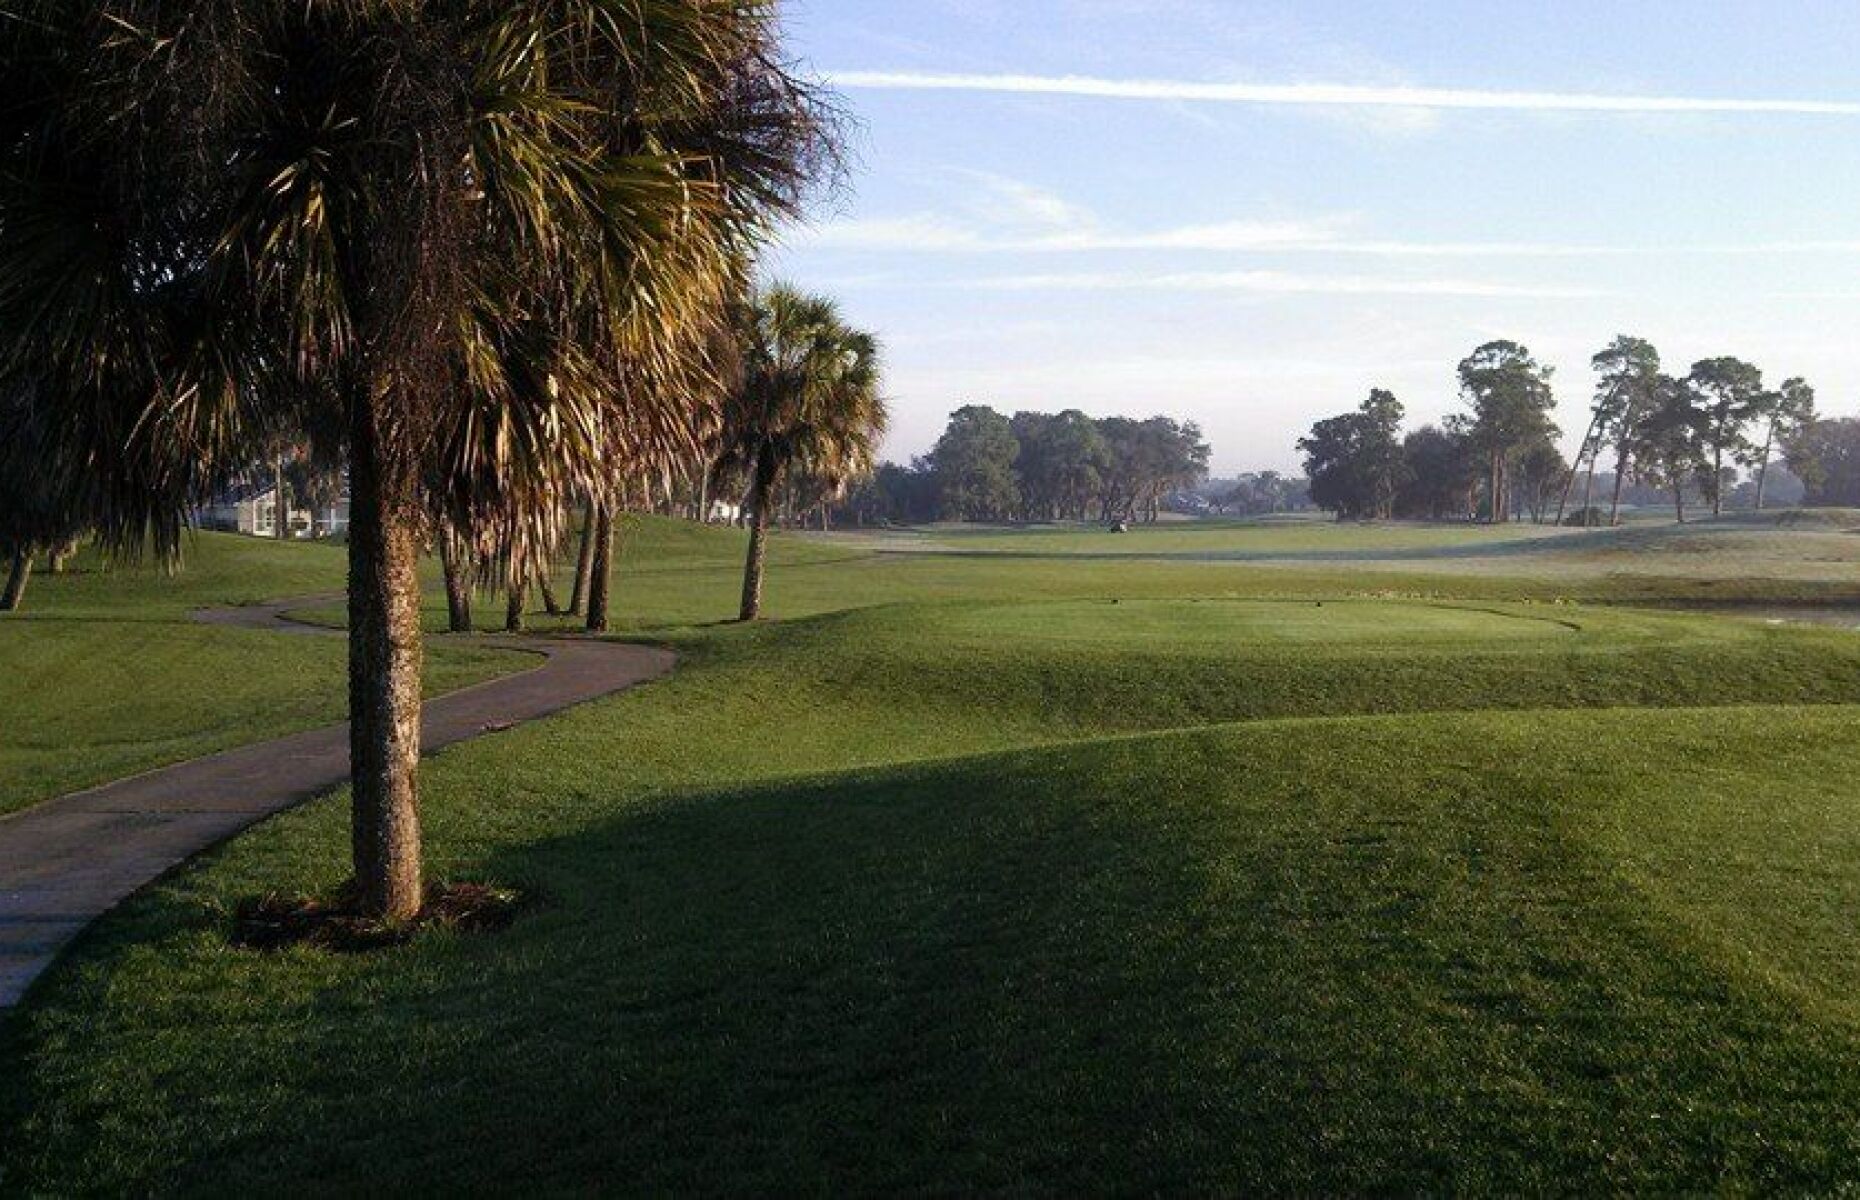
<point>929,233</point>
<point>1331,95</point>
<point>1112,376</point>
<point>1264,282</point>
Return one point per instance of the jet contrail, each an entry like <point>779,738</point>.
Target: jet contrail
<point>1327,94</point>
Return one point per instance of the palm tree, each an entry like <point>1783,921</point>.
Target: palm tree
<point>584,562</point>
<point>458,561</point>
<point>36,514</point>
<point>678,408</point>
<point>807,401</point>
<point>431,233</point>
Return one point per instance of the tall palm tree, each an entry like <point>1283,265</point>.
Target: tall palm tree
<point>807,401</point>
<point>437,230</point>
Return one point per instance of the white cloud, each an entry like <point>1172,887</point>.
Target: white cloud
<point>922,232</point>
<point>929,233</point>
<point>1204,376</point>
<point>1330,95</point>
<point>1017,204</point>
<point>1269,282</point>
<point>926,232</point>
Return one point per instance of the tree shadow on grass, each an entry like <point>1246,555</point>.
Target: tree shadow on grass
<point>1185,963</point>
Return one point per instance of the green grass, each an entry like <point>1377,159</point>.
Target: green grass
<point>1281,536</point>
<point>1782,555</point>
<point>107,674</point>
<point>1010,873</point>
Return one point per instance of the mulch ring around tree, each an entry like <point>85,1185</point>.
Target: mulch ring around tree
<point>276,922</point>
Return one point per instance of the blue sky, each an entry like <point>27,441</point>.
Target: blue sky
<point>1249,214</point>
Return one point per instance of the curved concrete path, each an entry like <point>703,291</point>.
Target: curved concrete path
<point>68,861</point>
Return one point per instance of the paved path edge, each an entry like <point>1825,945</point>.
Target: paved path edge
<point>68,861</point>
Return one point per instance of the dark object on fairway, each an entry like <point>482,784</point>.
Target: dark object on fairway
<point>1121,527</point>
<point>275,922</point>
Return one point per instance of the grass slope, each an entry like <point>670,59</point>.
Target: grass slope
<point>1190,891</point>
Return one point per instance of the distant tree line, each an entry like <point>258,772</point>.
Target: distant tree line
<point>1037,466</point>
<point>1497,460</point>
<point>1260,493</point>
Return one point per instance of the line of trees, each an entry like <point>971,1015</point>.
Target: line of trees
<point>1258,493</point>
<point>1497,459</point>
<point>1690,434</point>
<point>1037,466</point>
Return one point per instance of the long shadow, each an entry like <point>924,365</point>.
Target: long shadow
<point>1114,968</point>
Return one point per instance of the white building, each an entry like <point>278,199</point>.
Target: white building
<point>252,509</point>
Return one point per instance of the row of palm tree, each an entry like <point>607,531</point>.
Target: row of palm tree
<point>490,251</point>
<point>803,421</point>
<point>802,410</point>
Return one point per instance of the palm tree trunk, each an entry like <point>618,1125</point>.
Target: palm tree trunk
<point>584,564</point>
<point>513,609</point>
<point>546,586</point>
<point>281,511</point>
<point>758,541</point>
<point>458,587</point>
<point>1588,491</point>
<point>601,570</point>
<point>15,594</point>
<point>1717,481</point>
<point>384,669</point>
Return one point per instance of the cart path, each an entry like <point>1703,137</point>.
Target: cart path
<point>66,862</point>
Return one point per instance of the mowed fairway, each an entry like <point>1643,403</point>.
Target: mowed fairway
<point>1030,869</point>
